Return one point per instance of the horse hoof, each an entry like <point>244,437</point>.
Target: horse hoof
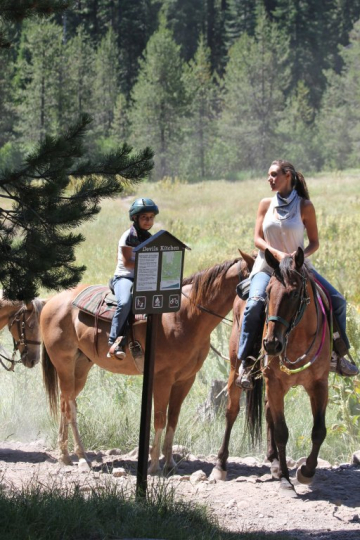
<point>154,471</point>
<point>302,478</point>
<point>217,475</point>
<point>275,469</point>
<point>287,488</point>
<point>169,470</point>
<point>65,461</point>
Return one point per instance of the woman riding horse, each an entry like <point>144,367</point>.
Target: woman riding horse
<point>280,225</point>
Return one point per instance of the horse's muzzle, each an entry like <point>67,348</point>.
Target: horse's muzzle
<point>30,360</point>
<point>273,346</point>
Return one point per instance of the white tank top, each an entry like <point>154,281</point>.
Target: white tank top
<point>283,228</point>
<point>120,269</point>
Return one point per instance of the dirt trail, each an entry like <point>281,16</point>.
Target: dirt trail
<point>248,501</point>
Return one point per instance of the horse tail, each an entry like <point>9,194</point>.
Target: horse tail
<point>51,383</point>
<point>254,405</point>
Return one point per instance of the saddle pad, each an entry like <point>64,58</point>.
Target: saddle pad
<point>97,300</point>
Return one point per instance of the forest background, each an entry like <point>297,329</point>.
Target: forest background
<point>217,88</point>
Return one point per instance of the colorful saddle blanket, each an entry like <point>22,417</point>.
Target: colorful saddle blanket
<point>97,300</point>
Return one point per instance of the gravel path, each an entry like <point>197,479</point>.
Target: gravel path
<point>248,501</point>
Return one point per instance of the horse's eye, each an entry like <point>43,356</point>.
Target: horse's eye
<point>295,295</point>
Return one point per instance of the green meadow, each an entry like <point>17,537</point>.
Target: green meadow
<point>215,219</point>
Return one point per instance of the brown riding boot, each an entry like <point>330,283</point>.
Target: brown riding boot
<point>244,379</point>
<point>342,366</point>
<point>117,349</point>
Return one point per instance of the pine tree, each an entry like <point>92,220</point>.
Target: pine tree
<point>120,128</point>
<point>57,187</point>
<point>240,18</point>
<point>200,124</point>
<point>38,80</point>
<point>56,190</point>
<point>133,24</point>
<point>186,19</point>
<point>160,101</point>
<point>105,84</point>
<point>339,118</point>
<point>15,11</point>
<point>253,97</point>
<point>296,133</point>
<point>80,58</point>
<point>312,30</point>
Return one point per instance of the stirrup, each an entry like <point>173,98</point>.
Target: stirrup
<point>116,349</point>
<point>342,366</point>
<point>244,379</point>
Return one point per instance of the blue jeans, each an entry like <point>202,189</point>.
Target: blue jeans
<point>122,287</point>
<point>252,321</point>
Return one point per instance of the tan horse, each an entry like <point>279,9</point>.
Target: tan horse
<point>297,348</point>
<point>22,320</point>
<point>182,345</point>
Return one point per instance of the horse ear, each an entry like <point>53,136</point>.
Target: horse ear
<point>249,259</point>
<point>299,258</point>
<point>270,259</point>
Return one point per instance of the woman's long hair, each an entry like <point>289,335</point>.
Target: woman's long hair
<point>297,179</point>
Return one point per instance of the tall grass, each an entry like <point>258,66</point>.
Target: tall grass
<point>214,219</point>
<point>44,514</point>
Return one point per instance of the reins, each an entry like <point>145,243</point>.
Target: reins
<point>225,320</point>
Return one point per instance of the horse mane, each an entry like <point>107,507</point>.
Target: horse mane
<point>286,268</point>
<point>36,303</point>
<point>205,284</point>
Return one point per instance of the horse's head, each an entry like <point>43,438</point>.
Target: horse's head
<point>286,294</point>
<point>25,330</point>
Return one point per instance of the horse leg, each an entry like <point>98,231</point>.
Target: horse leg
<point>177,395</point>
<point>272,452</point>
<point>162,389</point>
<point>318,397</point>
<point>219,472</point>
<point>71,385</point>
<point>275,404</point>
<point>63,439</point>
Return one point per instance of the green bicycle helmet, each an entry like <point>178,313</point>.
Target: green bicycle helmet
<point>140,206</point>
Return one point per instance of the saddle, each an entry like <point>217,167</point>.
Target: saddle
<point>339,345</point>
<point>99,302</point>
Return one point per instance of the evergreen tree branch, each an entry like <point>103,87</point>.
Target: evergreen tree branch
<point>55,191</point>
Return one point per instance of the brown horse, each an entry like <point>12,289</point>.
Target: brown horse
<point>22,320</point>
<point>297,348</point>
<point>182,345</point>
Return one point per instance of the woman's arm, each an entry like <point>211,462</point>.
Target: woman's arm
<point>308,217</point>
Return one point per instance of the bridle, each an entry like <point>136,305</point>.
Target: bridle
<point>20,321</point>
<point>304,301</point>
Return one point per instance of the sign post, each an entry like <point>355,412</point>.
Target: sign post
<point>159,264</point>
